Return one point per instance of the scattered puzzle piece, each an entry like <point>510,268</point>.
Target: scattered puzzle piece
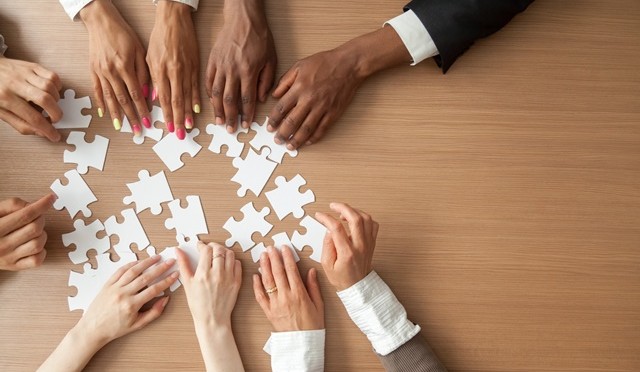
<point>130,232</point>
<point>86,154</point>
<point>313,238</point>
<point>189,221</point>
<point>75,195</point>
<point>286,198</point>
<point>149,192</point>
<point>222,137</point>
<point>170,149</point>
<point>242,231</point>
<point>190,247</point>
<point>265,139</point>
<point>279,241</point>
<point>85,239</point>
<point>166,254</point>
<point>154,133</point>
<point>72,107</point>
<point>91,281</point>
<point>253,172</point>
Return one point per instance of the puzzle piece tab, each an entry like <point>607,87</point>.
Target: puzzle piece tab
<point>189,221</point>
<point>264,138</point>
<point>86,154</point>
<point>150,192</point>
<point>253,172</point>
<point>170,149</point>
<point>286,198</point>
<point>223,138</point>
<point>241,231</point>
<point>72,111</point>
<point>85,239</point>
<point>154,133</point>
<point>129,232</point>
<point>75,195</point>
<point>314,237</point>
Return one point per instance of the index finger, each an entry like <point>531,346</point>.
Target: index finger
<point>277,268</point>
<point>354,220</point>
<point>25,215</point>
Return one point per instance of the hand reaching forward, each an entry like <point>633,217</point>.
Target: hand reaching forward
<point>288,303</point>
<point>22,83</point>
<point>347,254</point>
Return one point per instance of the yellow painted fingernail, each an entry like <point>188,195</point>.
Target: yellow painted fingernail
<point>100,112</point>
<point>116,124</point>
<point>196,108</point>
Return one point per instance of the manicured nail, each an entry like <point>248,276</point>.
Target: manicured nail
<point>170,127</point>
<point>219,120</point>
<point>277,140</point>
<point>100,112</point>
<point>181,133</point>
<point>145,90</point>
<point>137,131</point>
<point>116,124</point>
<point>146,122</point>
<point>188,123</point>
<point>154,94</point>
<point>196,108</point>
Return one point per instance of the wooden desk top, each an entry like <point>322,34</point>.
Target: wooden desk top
<point>508,191</point>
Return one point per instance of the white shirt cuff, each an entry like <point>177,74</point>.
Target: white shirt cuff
<point>191,3</point>
<point>414,35</point>
<point>377,312</point>
<point>73,7</point>
<point>296,351</point>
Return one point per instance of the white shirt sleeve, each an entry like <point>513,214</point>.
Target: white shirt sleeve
<point>299,351</point>
<point>191,3</point>
<point>73,7</point>
<point>377,312</point>
<point>414,35</point>
<point>3,46</point>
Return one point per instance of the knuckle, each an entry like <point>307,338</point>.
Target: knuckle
<point>15,203</point>
<point>280,108</point>
<point>290,121</point>
<point>177,101</point>
<point>216,91</point>
<point>122,99</point>
<point>135,95</point>
<point>229,98</point>
<point>306,129</point>
<point>246,100</point>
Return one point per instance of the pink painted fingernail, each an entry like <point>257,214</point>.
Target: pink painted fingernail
<point>146,122</point>
<point>154,94</point>
<point>145,90</point>
<point>137,131</point>
<point>188,123</point>
<point>170,127</point>
<point>181,134</point>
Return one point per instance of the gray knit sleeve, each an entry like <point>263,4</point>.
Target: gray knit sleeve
<point>3,46</point>
<point>414,356</point>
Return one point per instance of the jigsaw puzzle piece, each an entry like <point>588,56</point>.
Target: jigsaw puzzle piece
<point>75,195</point>
<point>166,254</point>
<point>130,231</point>
<point>286,198</point>
<point>86,154</point>
<point>314,237</point>
<point>72,107</point>
<point>264,138</point>
<point>189,221</point>
<point>253,172</point>
<point>222,137</point>
<point>154,133</point>
<point>85,239</point>
<point>170,149</point>
<point>149,192</point>
<point>242,231</point>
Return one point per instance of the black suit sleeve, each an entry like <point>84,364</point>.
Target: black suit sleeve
<point>455,24</point>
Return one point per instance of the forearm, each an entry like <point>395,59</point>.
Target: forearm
<point>218,347</point>
<point>73,353</point>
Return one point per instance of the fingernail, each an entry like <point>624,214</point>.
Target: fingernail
<point>146,122</point>
<point>277,140</point>
<point>229,129</point>
<point>270,249</point>
<point>100,112</point>
<point>165,301</point>
<point>290,147</point>
<point>116,124</point>
<point>263,256</point>
<point>188,123</point>
<point>219,120</point>
<point>308,143</point>
<point>245,124</point>
<point>145,90</point>
<point>170,127</point>
<point>137,131</point>
<point>196,108</point>
<point>175,274</point>
<point>181,133</point>
<point>270,128</point>
<point>154,94</point>
<point>170,261</point>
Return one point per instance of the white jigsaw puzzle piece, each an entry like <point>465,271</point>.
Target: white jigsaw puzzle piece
<point>130,231</point>
<point>165,255</point>
<point>72,107</point>
<point>86,154</point>
<point>84,237</point>
<point>264,138</point>
<point>222,137</point>
<point>149,192</point>
<point>189,221</point>
<point>287,198</point>
<point>75,195</point>
<point>170,149</point>
<point>314,237</point>
<point>190,247</point>
<point>242,231</point>
<point>253,172</point>
<point>154,133</point>
<point>91,281</point>
<point>279,241</point>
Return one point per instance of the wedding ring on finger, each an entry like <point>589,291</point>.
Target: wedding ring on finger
<point>217,255</point>
<point>271,290</point>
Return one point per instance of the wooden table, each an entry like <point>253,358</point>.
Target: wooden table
<point>508,191</point>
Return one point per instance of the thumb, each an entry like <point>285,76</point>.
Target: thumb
<point>286,81</point>
<point>184,264</point>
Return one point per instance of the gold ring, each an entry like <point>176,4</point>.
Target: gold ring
<point>272,290</point>
<point>217,255</point>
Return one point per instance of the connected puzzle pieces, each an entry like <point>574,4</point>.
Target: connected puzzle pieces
<point>242,231</point>
<point>86,154</point>
<point>189,221</point>
<point>75,196</point>
<point>84,237</point>
<point>130,231</point>
<point>314,237</point>
<point>264,138</point>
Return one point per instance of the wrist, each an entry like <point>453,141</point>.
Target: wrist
<point>251,9</point>
<point>95,11</point>
<point>83,337</point>
<point>167,10</point>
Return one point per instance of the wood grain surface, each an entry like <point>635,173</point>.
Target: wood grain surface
<point>508,191</point>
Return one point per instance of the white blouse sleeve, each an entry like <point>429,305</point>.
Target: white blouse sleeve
<point>73,7</point>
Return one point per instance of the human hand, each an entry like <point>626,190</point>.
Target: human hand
<point>347,255</point>
<point>242,63</point>
<point>22,235</point>
<point>118,70</point>
<point>174,62</point>
<point>115,311</point>
<point>24,82</point>
<point>213,289</point>
<point>289,305</point>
